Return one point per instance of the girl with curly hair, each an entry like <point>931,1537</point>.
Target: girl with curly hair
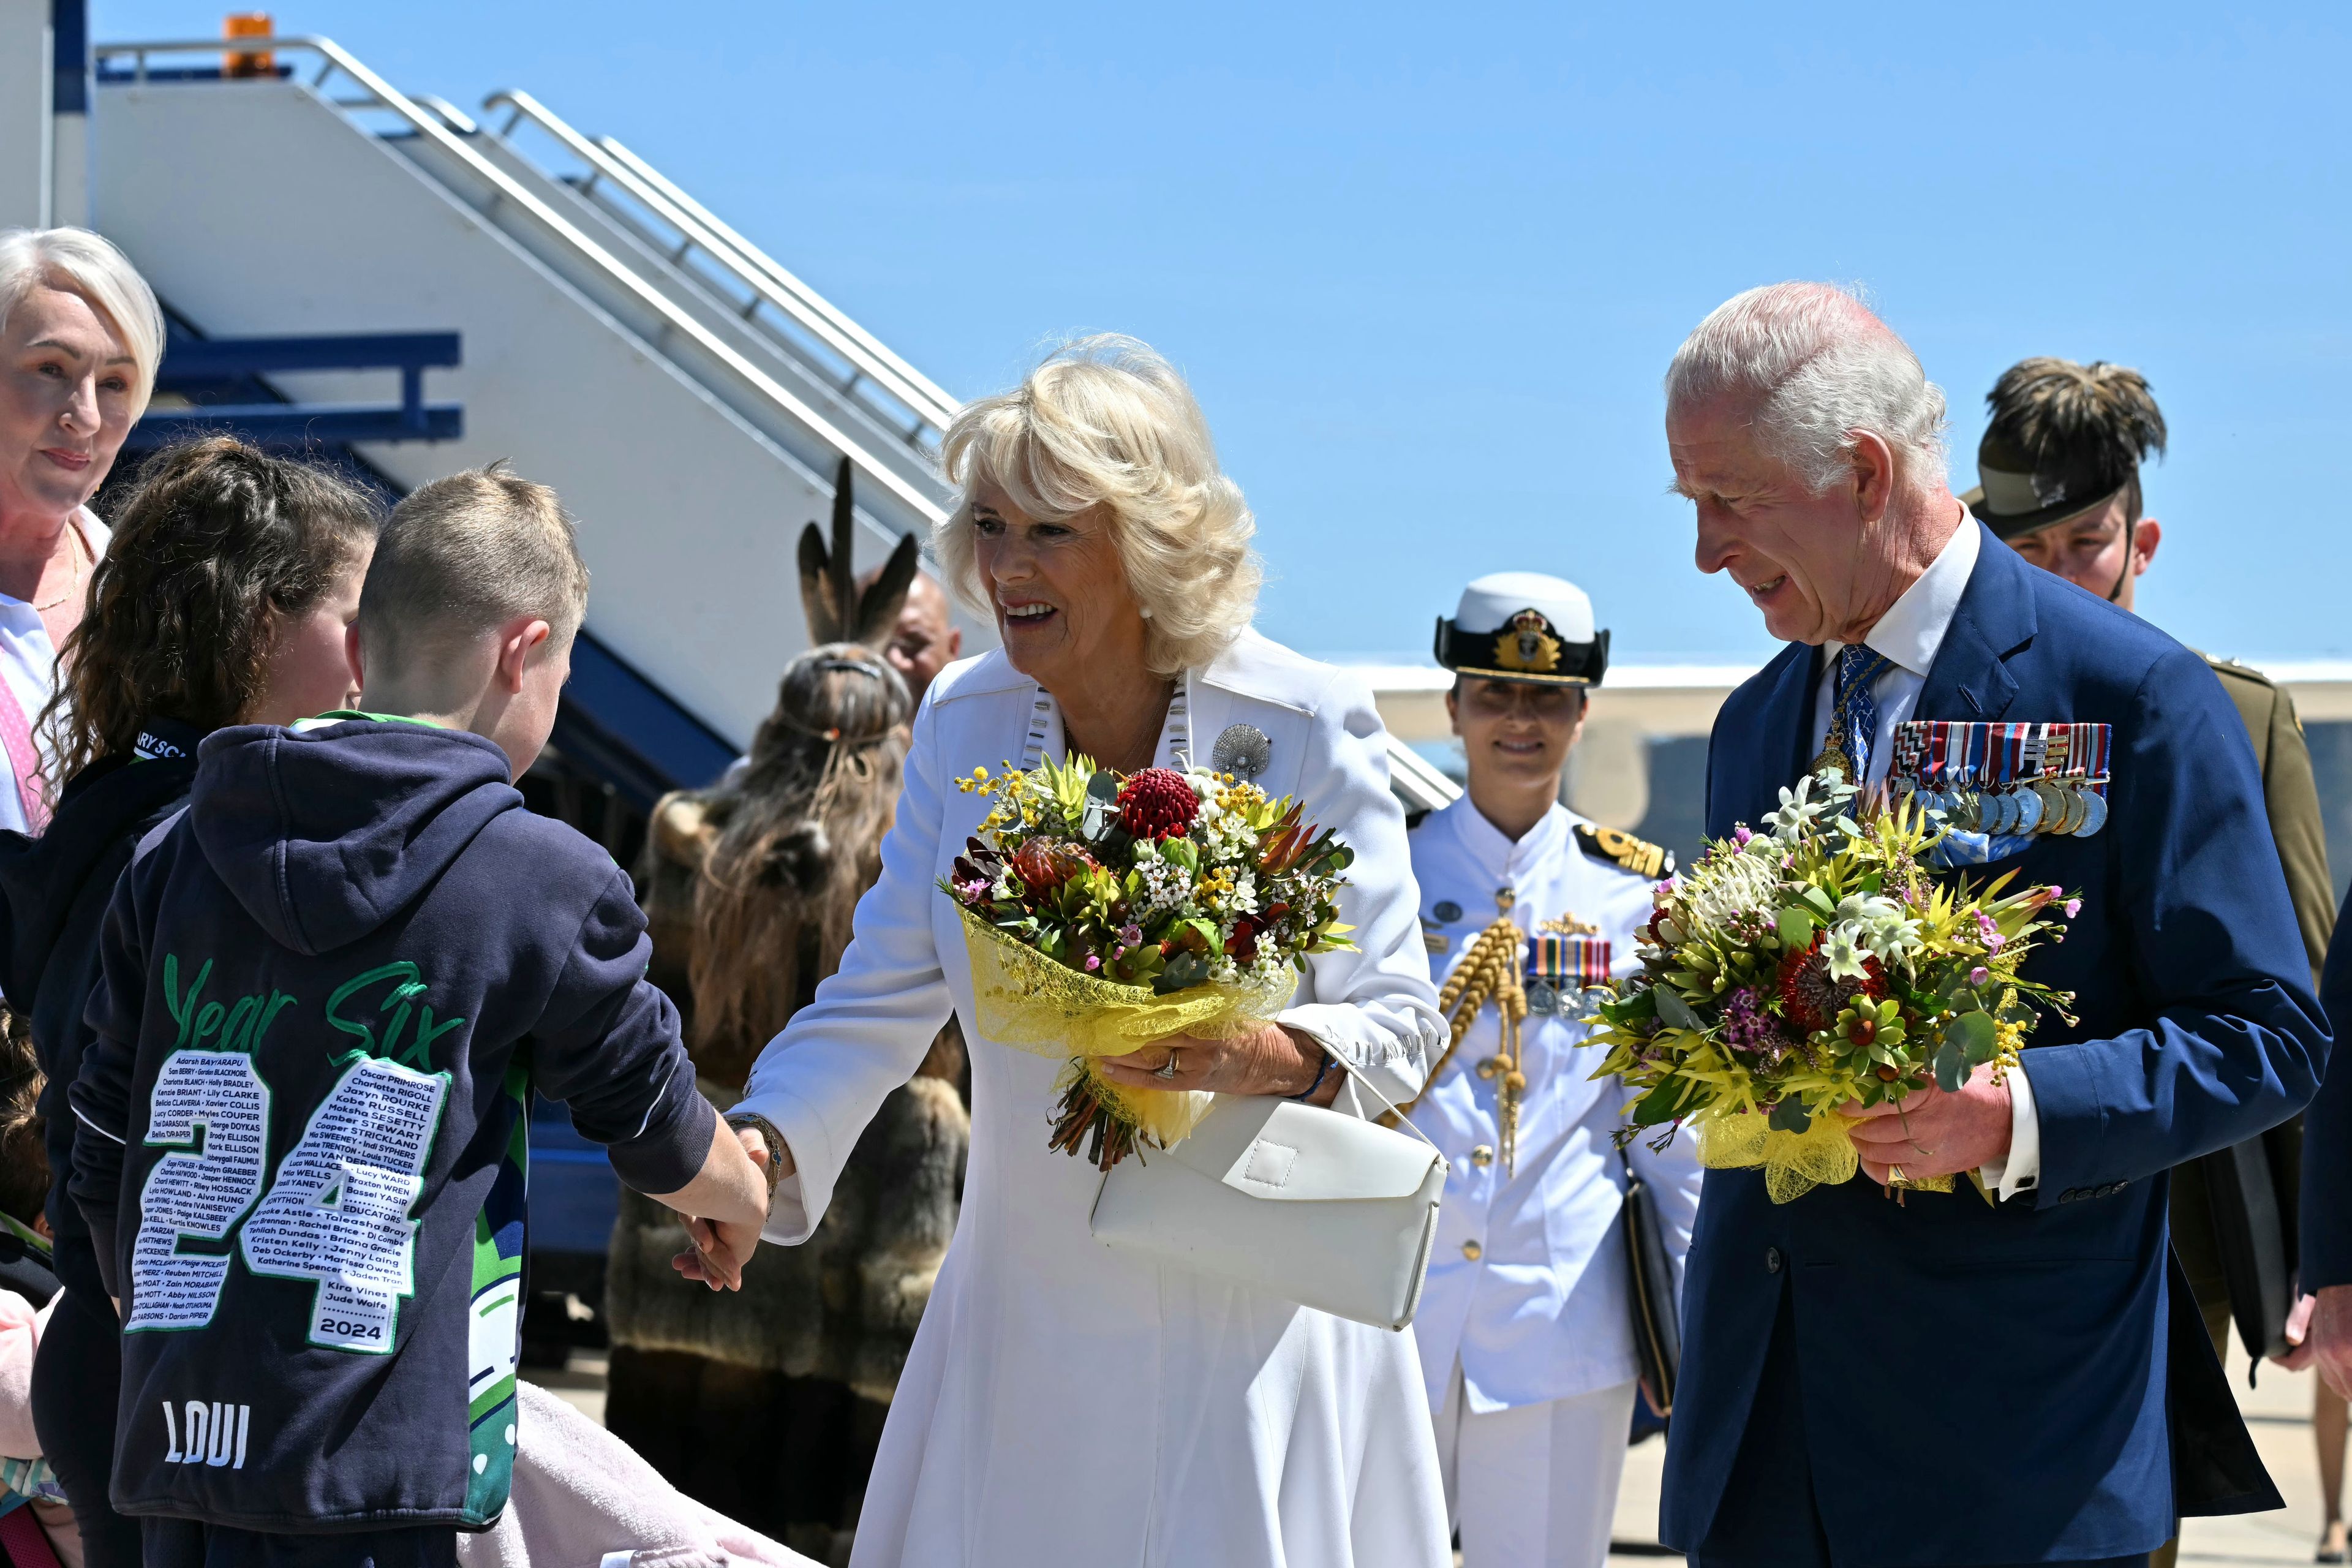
<point>223,598</point>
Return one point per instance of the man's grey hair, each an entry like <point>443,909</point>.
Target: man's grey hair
<point>1817,367</point>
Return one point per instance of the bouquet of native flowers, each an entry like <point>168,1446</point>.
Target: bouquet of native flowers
<point>1820,965</point>
<point>1105,912</point>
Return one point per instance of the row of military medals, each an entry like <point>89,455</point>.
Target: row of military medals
<point>2001,780</point>
<point>1566,957</point>
<point>2007,781</point>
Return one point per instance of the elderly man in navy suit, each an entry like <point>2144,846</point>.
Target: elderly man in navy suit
<point>1953,1380</point>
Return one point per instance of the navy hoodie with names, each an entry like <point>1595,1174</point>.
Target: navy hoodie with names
<point>329,988</point>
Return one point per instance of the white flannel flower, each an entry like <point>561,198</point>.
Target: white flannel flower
<point>1880,925</point>
<point>1842,950</point>
<point>1803,806</point>
<point>1867,908</point>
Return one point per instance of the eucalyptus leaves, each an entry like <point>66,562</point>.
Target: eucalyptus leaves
<point>1821,964</point>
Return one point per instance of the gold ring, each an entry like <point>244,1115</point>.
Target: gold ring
<point>1167,1068</point>
<point>1894,1176</point>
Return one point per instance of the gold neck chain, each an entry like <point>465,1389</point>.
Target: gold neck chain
<point>74,547</point>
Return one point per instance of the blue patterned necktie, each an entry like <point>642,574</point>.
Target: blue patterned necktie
<point>1853,720</point>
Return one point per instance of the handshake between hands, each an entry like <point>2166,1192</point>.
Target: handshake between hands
<point>726,1205</point>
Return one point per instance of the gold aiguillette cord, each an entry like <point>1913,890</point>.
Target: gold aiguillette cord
<point>1489,969</point>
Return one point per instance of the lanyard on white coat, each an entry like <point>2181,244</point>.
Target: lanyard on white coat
<point>1175,736</point>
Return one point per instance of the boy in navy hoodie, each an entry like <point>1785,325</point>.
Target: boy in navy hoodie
<point>329,988</point>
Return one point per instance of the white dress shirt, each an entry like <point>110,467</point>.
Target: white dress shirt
<point>1909,633</point>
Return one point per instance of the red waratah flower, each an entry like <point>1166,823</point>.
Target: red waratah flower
<point>1811,999</point>
<point>1157,804</point>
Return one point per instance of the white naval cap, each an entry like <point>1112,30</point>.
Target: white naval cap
<point>1524,626</point>
<point>1489,602</point>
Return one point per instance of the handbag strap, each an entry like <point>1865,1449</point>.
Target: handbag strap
<point>1356,1076</point>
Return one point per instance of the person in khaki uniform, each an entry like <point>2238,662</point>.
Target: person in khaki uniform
<point>2059,471</point>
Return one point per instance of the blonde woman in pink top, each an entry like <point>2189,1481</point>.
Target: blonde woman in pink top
<point>80,338</point>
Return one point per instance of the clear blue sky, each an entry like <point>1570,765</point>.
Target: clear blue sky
<point>1425,264</point>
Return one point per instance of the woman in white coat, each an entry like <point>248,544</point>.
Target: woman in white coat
<point>1063,1403</point>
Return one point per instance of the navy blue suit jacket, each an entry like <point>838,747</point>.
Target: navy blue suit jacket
<point>2326,1256</point>
<point>2011,1360</point>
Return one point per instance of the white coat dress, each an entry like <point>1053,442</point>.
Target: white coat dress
<point>1065,1404</point>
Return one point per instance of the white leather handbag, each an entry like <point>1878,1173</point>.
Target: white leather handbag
<point>1315,1206</point>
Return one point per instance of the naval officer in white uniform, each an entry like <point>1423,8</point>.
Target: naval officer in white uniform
<point>1527,1325</point>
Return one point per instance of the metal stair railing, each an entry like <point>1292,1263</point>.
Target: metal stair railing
<point>643,245</point>
<point>1411,775</point>
<point>859,357</point>
<point>510,202</point>
<point>773,269</point>
<point>645,238</point>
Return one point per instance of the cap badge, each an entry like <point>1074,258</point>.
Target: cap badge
<point>1528,645</point>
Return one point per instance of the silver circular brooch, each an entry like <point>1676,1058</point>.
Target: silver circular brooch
<point>1242,750</point>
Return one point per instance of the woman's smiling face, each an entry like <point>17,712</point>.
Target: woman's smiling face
<point>66,385</point>
<point>1059,589</point>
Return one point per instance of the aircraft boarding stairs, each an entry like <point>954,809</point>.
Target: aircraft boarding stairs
<point>688,396</point>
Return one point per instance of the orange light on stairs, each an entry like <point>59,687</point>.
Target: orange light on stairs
<point>248,62</point>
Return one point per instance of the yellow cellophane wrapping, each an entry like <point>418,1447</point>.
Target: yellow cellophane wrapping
<point>1794,1164</point>
<point>1030,1002</point>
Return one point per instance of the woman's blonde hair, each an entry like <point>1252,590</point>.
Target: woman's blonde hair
<point>1105,421</point>
<point>80,262</point>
